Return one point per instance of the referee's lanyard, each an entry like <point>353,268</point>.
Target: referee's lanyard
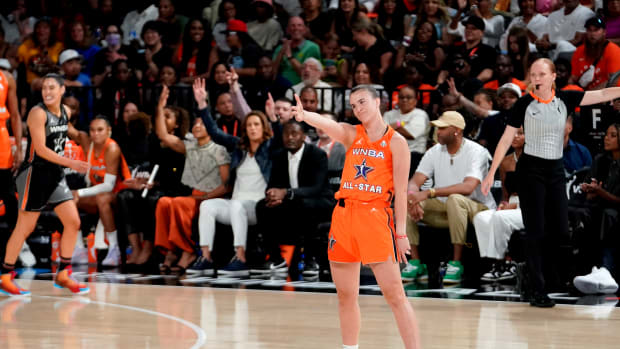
<point>225,129</point>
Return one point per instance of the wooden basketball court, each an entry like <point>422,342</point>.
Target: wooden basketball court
<point>149,316</point>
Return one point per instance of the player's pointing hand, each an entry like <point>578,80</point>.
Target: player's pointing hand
<point>298,110</point>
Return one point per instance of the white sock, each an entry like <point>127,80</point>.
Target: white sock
<point>112,238</point>
<point>100,237</point>
<point>79,242</point>
<point>356,346</point>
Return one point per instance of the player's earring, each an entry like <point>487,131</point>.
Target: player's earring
<point>456,134</point>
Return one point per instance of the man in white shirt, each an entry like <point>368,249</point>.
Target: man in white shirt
<point>412,123</point>
<point>297,199</point>
<point>311,76</point>
<point>565,29</point>
<point>457,166</point>
<point>134,21</point>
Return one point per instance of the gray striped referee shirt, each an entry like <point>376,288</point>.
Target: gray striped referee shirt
<point>543,123</point>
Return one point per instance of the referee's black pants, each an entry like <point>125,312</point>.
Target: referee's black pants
<point>544,207</point>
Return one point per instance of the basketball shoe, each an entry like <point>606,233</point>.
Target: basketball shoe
<point>10,288</point>
<point>64,279</point>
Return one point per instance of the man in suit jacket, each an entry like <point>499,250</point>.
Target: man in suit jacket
<point>297,199</point>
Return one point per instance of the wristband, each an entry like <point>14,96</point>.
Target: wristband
<point>432,192</point>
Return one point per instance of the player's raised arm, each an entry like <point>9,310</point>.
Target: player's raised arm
<point>338,131</point>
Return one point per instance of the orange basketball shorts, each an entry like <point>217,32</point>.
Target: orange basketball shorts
<point>361,232</point>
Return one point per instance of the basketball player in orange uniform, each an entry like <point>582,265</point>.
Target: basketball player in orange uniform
<point>363,224</point>
<point>107,171</point>
<point>9,162</point>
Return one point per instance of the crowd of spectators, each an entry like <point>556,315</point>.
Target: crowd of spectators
<point>203,90</point>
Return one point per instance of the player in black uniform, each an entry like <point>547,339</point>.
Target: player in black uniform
<point>41,184</point>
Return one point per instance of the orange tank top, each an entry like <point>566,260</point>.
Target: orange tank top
<point>368,171</point>
<point>98,168</point>
<point>6,155</point>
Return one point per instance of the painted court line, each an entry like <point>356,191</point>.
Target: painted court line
<point>200,333</point>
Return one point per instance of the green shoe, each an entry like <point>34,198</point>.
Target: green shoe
<point>453,273</point>
<point>414,270</point>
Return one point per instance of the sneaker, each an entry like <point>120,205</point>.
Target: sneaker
<point>542,301</point>
<point>235,268</point>
<point>26,258</point>
<point>454,272</point>
<point>10,288</point>
<point>508,271</point>
<point>80,256</point>
<point>271,266</point>
<point>492,275</point>
<point>598,281</point>
<point>311,268</point>
<point>64,279</point>
<point>113,258</point>
<point>201,266</point>
<point>414,270</point>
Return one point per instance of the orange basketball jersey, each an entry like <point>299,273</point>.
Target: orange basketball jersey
<point>367,174</point>
<point>6,156</point>
<point>98,167</point>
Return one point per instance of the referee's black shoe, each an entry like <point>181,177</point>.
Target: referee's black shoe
<point>541,301</point>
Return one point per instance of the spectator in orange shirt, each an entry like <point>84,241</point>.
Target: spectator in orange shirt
<point>503,74</point>
<point>595,60</point>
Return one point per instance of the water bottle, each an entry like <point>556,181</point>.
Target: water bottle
<point>301,266</point>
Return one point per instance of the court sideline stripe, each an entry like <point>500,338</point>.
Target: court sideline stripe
<point>200,333</point>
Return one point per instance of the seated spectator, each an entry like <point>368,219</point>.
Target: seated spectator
<point>481,57</point>
<point>576,156</point>
<point>106,13</point>
<point>288,56</point>
<point>347,13</point>
<point>335,66</point>
<point>371,47</point>
<point>71,66</point>
<point>457,166</point>
<point>39,53</point>
<point>335,153</point>
<point>311,76</point>
<point>134,21</point>
<point>172,23</point>
<point>104,179</point>
<point>206,171</point>
<point>226,11</point>
<point>265,82</point>
<point>250,173</point>
<point>563,69</point>
<point>217,83</point>
<point>412,77</point>
<point>80,40</point>
<point>436,12</point>
<point>461,71</point>
<point>603,194</point>
<point>244,52</point>
<point>503,74</point>
<point>309,98</point>
<point>135,214</point>
<point>519,51</point>
<point>564,30</point>
<point>493,27</point>
<point>483,106</point>
<point>494,228</point>
<point>192,58</point>
<point>168,77</point>
<point>424,52</point>
<point>611,15</point>
<point>18,23</point>
<point>530,20</point>
<point>597,59</point>
<point>121,86</point>
<point>412,123</point>
<point>493,126</point>
<point>115,50</point>
<point>283,109</point>
<point>391,19</point>
<point>155,55</point>
<point>298,196</point>
<point>318,22</point>
<point>8,51</point>
<point>265,30</point>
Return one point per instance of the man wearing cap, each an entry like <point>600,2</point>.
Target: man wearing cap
<point>457,166</point>
<point>564,30</point>
<point>290,55</point>
<point>481,57</point>
<point>595,60</point>
<point>244,52</point>
<point>71,69</point>
<point>265,30</point>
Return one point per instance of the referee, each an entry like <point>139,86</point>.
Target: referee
<point>542,113</point>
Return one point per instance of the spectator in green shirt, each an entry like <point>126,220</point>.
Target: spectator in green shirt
<point>294,50</point>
